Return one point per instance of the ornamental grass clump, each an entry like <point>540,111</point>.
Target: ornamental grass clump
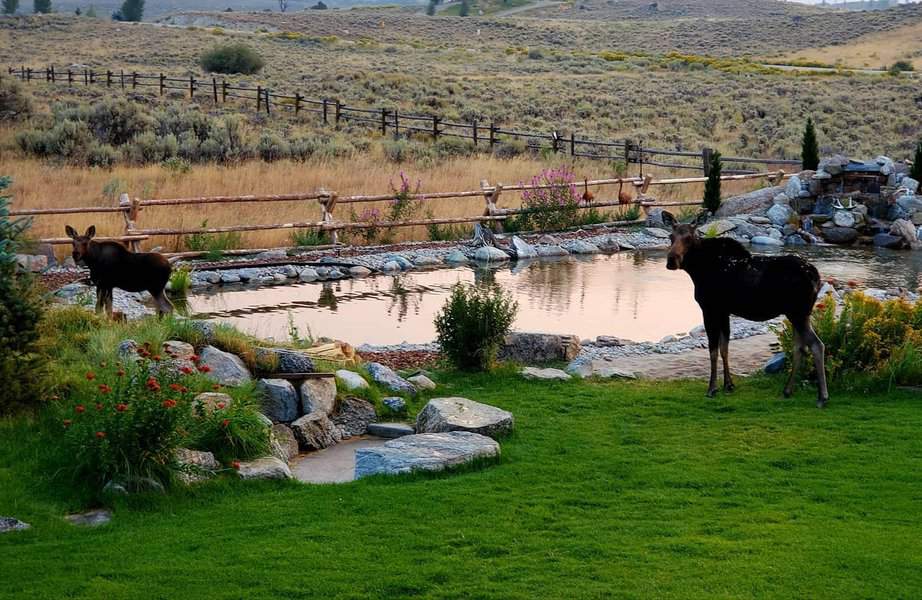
<point>472,325</point>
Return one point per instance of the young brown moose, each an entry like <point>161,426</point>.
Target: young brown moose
<point>112,265</point>
<point>731,281</point>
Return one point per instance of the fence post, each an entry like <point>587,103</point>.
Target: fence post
<point>627,152</point>
<point>706,154</point>
<point>162,83</point>
<point>640,156</point>
<point>70,77</point>
<point>29,75</point>
<point>555,141</point>
<point>130,210</point>
<point>191,86</point>
<point>53,79</point>
<point>223,91</point>
<point>214,89</point>
<point>474,130</point>
<point>134,80</point>
<point>383,121</point>
<point>259,98</point>
<point>339,111</point>
<point>435,127</point>
<point>396,123</point>
<point>492,134</point>
<point>86,77</point>
<point>327,201</point>
<point>121,76</point>
<point>108,78</point>
<point>268,111</point>
<point>572,144</point>
<point>297,103</point>
<point>325,111</point>
<point>92,77</point>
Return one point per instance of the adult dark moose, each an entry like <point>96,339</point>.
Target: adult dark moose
<point>730,281</point>
<point>112,265</point>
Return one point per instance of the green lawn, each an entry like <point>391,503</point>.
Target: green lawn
<point>606,490</point>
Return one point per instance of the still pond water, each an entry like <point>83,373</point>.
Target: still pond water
<point>628,295</point>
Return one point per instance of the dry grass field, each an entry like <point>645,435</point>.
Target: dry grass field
<point>873,51</point>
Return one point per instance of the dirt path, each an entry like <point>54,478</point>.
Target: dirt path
<point>746,356</point>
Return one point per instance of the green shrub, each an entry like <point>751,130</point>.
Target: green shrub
<point>180,281</point>
<point>214,244</point>
<point>236,431</point>
<point>510,149</point>
<point>232,58</point>
<point>272,148</point>
<point>810,149</point>
<point>15,102</point>
<point>472,325</point>
<point>309,237</point>
<point>21,307</point>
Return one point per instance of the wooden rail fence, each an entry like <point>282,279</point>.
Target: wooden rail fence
<point>391,120</point>
<point>133,233</point>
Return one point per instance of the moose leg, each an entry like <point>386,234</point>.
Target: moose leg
<point>724,350</point>
<point>796,360</point>
<point>818,349</point>
<point>164,306</point>
<point>108,303</point>
<point>100,298</point>
<point>712,327</point>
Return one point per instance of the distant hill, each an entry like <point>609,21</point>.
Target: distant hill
<point>677,9</point>
<point>154,9</point>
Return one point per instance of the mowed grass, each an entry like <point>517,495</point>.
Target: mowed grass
<point>605,490</point>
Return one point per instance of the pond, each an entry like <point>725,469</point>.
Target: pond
<point>627,295</point>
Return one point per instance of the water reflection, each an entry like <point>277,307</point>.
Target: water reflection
<point>625,295</point>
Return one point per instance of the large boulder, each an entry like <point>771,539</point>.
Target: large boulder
<point>353,415</point>
<point>906,230</point>
<point>268,467</point>
<point>756,202</point>
<point>655,218</point>
<point>283,443</point>
<point>834,165</point>
<point>718,227</point>
<point>385,376</point>
<point>424,452</point>
<point>318,395</point>
<point>522,248</point>
<point>530,348</point>
<point>544,374</point>
<point>289,361</point>
<point>779,214</point>
<point>196,465</point>
<point>910,184</point>
<point>793,188</point>
<point>223,367</point>
<point>840,235</point>
<point>843,218</point>
<point>422,382</point>
<point>885,240</point>
<point>316,431</point>
<point>351,380</point>
<point>460,414</point>
<point>489,254</point>
<point>280,400</point>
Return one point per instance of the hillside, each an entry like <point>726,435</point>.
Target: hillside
<point>680,9</point>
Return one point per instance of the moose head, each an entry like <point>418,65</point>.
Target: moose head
<point>81,242</point>
<point>684,236</point>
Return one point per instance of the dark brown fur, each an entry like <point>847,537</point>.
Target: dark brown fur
<point>731,281</point>
<point>112,265</point>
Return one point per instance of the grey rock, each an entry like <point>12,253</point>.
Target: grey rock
<point>385,376</point>
<point>280,400</point>
<point>208,402</point>
<point>205,328</point>
<point>794,240</point>
<point>610,341</point>
<point>840,235</point>
<point>424,452</point>
<point>390,430</point>
<point>909,203</point>
<point>843,218</point>
<point>316,431</point>
<point>422,382</point>
<point>290,271</point>
<point>230,277</point>
<point>656,232</point>
<point>757,220</point>
<point>522,248</point>
<point>655,218</point>
<point>10,524</point>
<point>909,183</point>
<point>276,254</point>
<point>581,247</point>
<point>455,257</point>
<point>793,187</point>
<point>113,488</point>
<point>128,350</point>
<point>461,414</point>
<point>177,349</point>
<point>353,416</point>
<point>425,261</point>
<point>279,278</point>
<point>551,251</point>
<point>268,467</point>
<point>834,165</point>
<point>779,214</point>
<point>359,271</point>
<point>598,368</point>
<point>308,275</point>
<point>536,348</point>
<point>490,254</point>
<point>544,374</point>
<point>763,240</point>
<point>32,263</point>
<point>390,266</point>
<point>885,240</point>
<point>547,239</point>
<point>289,361</point>
<point>395,403</point>
<point>351,380</point>
<point>225,368</point>
<point>822,175</point>
<point>775,364</point>
<point>318,395</point>
<point>196,465</point>
<point>719,227</point>
<point>756,202</point>
<point>403,261</point>
<point>283,443</point>
<point>92,518</point>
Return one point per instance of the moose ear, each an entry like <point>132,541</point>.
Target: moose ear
<point>669,219</point>
<point>701,219</point>
<point>70,231</point>
<point>91,231</point>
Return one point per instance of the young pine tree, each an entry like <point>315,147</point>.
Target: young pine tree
<point>10,6</point>
<point>430,9</point>
<point>916,172</point>
<point>132,10</point>
<point>810,148</point>
<point>712,186</point>
<point>41,7</point>
<point>465,9</point>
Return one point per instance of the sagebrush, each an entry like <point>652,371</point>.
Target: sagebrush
<point>472,325</point>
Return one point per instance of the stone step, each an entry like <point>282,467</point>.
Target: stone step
<point>390,430</point>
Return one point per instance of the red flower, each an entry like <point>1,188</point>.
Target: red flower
<point>143,352</point>
<point>120,372</point>
<point>220,405</point>
<point>156,357</point>
<point>121,407</point>
<point>99,406</point>
<point>852,283</point>
<point>169,403</point>
<point>104,389</point>
<point>216,387</point>
<point>821,305</point>
<point>204,368</point>
<point>153,385</point>
<point>80,408</point>
<point>100,434</point>
<point>236,465</point>
<point>195,358</point>
<point>90,376</point>
<point>67,422</point>
<point>183,389</point>
<point>175,387</point>
<point>225,422</point>
<point>186,370</point>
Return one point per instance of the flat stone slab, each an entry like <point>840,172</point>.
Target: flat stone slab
<point>93,518</point>
<point>268,467</point>
<point>390,430</point>
<point>424,452</point>
<point>460,414</point>
<point>332,465</point>
<point>544,374</point>
<point>599,368</point>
